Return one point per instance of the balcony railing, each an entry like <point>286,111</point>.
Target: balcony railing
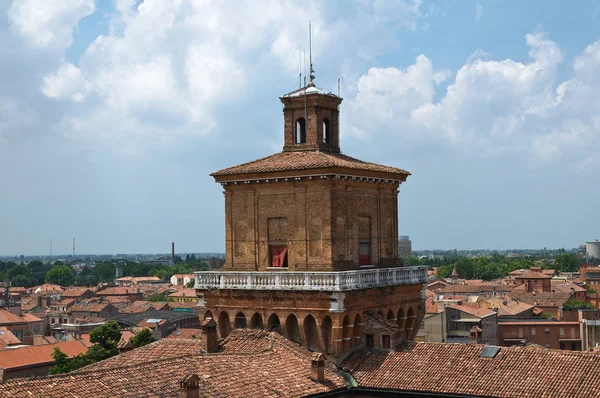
<point>324,281</point>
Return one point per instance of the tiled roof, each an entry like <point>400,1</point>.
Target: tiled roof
<point>478,312</point>
<point>382,320</point>
<point>529,274</point>
<point>459,369</point>
<point>30,318</point>
<point>74,292</point>
<point>566,287</point>
<point>88,307</point>
<point>181,276</point>
<point>7,317</point>
<point>143,306</point>
<point>183,333</point>
<point>246,341</point>
<point>47,288</point>
<point>118,291</point>
<point>184,293</point>
<point>7,337</point>
<point>145,323</point>
<point>117,299</point>
<point>507,306</point>
<point>38,354</point>
<point>126,335</point>
<point>306,160</point>
<point>476,288</point>
<point>542,299</point>
<point>184,304</point>
<point>154,371</point>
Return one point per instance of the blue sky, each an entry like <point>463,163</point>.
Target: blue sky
<point>114,112</point>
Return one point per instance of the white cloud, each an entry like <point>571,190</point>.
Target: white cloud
<point>491,106</point>
<point>48,23</point>
<point>166,67</point>
<point>478,12</point>
<point>67,82</point>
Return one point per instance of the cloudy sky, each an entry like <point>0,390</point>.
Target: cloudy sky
<point>114,112</point>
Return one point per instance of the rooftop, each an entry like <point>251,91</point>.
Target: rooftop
<point>308,160</point>
<point>251,364</point>
<point>7,317</point>
<point>459,369</point>
<point>38,354</point>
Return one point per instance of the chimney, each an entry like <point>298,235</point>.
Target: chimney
<point>209,335</point>
<point>173,252</point>
<point>189,386</point>
<point>317,367</point>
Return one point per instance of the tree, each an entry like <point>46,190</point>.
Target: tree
<point>142,338</point>
<point>61,362</point>
<point>17,270</point>
<point>191,284</point>
<point>578,304</point>
<point>566,262</point>
<point>22,281</point>
<point>107,337</point>
<point>105,272</point>
<point>61,275</point>
<point>157,297</point>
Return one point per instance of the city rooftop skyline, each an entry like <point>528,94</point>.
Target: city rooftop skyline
<point>113,115</point>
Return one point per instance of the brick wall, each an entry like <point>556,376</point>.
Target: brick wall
<point>321,222</point>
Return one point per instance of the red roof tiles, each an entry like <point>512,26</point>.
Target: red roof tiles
<point>459,369</point>
<point>8,318</point>
<point>245,369</point>
<point>38,354</point>
<point>306,160</point>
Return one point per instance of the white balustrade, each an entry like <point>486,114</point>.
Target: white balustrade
<point>325,281</point>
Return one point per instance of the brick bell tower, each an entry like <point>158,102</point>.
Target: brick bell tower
<point>312,239</point>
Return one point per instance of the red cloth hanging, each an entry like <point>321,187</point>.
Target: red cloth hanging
<point>278,254</point>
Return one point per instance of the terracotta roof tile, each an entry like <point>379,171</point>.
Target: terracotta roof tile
<point>8,318</point>
<point>7,337</point>
<point>507,306</point>
<point>30,318</point>
<point>184,293</point>
<point>306,160</point>
<point>529,274</point>
<point>74,292</point>
<point>459,369</point>
<point>478,312</point>
<point>38,354</point>
<point>542,299</point>
<point>156,369</point>
<point>88,307</point>
<point>119,291</point>
<point>184,333</point>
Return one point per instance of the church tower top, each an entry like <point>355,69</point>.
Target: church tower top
<point>311,119</point>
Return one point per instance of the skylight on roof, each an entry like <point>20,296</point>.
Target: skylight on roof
<point>489,351</point>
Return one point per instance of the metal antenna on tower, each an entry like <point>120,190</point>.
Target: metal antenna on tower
<point>300,65</point>
<point>73,257</point>
<point>50,249</point>
<point>312,71</point>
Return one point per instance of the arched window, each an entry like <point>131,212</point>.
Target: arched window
<point>300,131</point>
<point>326,132</point>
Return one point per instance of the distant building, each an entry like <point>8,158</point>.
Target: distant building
<point>563,335</point>
<point>592,249</point>
<point>466,324</point>
<point>181,279</point>
<point>404,246</point>
<point>535,280</point>
<point>35,360</point>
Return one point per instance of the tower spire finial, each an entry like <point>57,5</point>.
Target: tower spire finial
<point>312,71</point>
